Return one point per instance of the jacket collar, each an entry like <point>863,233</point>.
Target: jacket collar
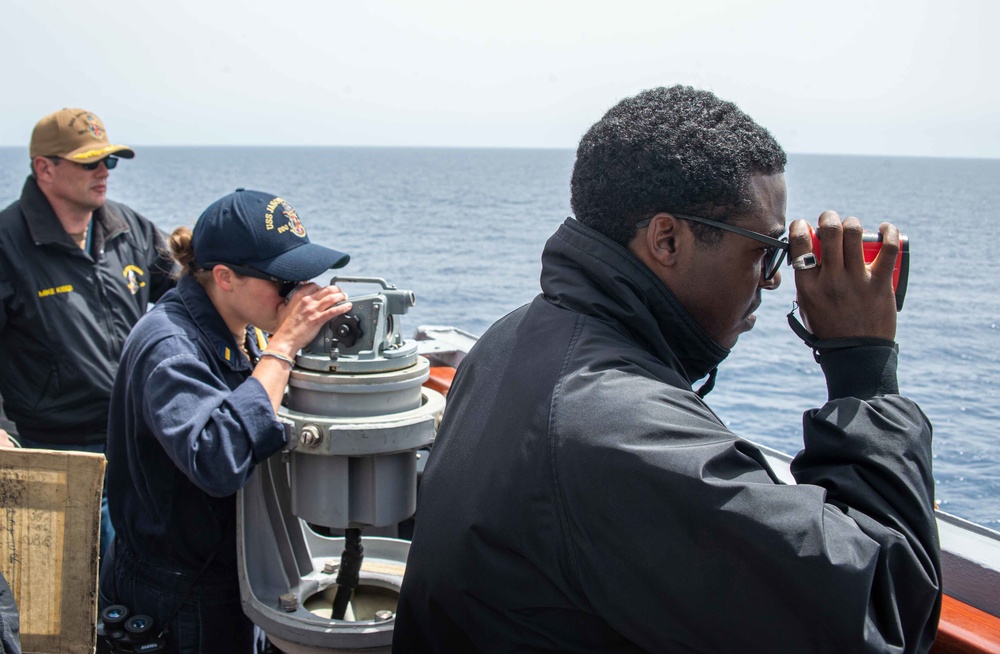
<point>45,228</point>
<point>587,272</point>
<point>214,328</point>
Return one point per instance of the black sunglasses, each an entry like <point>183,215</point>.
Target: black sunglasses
<point>285,286</point>
<point>109,163</point>
<point>774,255</point>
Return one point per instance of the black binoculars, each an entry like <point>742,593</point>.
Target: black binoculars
<point>124,633</point>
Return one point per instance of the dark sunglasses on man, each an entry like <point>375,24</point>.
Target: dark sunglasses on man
<point>109,162</point>
<point>774,255</point>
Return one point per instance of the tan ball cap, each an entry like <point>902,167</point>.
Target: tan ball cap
<point>74,134</point>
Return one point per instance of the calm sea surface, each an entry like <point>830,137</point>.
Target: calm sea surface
<point>464,228</point>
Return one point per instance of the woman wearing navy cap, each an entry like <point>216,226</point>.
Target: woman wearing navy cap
<point>193,411</point>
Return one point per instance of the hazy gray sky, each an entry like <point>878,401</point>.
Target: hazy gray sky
<point>906,77</point>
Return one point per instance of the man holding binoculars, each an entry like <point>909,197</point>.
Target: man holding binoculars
<point>582,496</point>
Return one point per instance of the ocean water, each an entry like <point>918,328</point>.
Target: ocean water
<point>464,229</point>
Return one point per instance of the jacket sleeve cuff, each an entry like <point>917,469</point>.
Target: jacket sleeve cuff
<point>265,433</point>
<point>863,372</point>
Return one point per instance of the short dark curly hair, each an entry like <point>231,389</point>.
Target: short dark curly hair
<point>669,149</point>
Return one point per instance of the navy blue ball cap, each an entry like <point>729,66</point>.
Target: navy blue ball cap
<point>262,231</point>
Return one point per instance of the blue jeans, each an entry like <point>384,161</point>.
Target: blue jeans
<point>107,531</point>
<point>204,613</point>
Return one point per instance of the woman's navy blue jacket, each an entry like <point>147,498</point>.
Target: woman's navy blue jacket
<point>188,424</point>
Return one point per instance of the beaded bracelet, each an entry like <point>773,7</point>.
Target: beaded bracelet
<point>278,356</point>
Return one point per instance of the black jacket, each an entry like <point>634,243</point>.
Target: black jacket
<point>10,621</point>
<point>65,313</point>
<point>580,496</point>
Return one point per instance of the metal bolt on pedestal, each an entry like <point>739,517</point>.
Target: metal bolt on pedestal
<point>383,615</point>
<point>310,436</point>
<point>288,601</point>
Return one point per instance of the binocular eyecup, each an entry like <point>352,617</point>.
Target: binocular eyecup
<point>124,633</point>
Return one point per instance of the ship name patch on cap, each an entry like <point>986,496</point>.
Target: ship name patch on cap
<point>291,220</point>
<point>90,124</point>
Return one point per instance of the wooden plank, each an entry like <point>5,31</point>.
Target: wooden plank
<point>440,379</point>
<point>49,537</point>
<point>965,629</point>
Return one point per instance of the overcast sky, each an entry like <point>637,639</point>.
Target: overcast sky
<point>901,77</point>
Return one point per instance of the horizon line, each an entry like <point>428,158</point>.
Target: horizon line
<point>504,147</point>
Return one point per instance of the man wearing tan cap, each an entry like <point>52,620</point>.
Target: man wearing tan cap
<point>76,273</point>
